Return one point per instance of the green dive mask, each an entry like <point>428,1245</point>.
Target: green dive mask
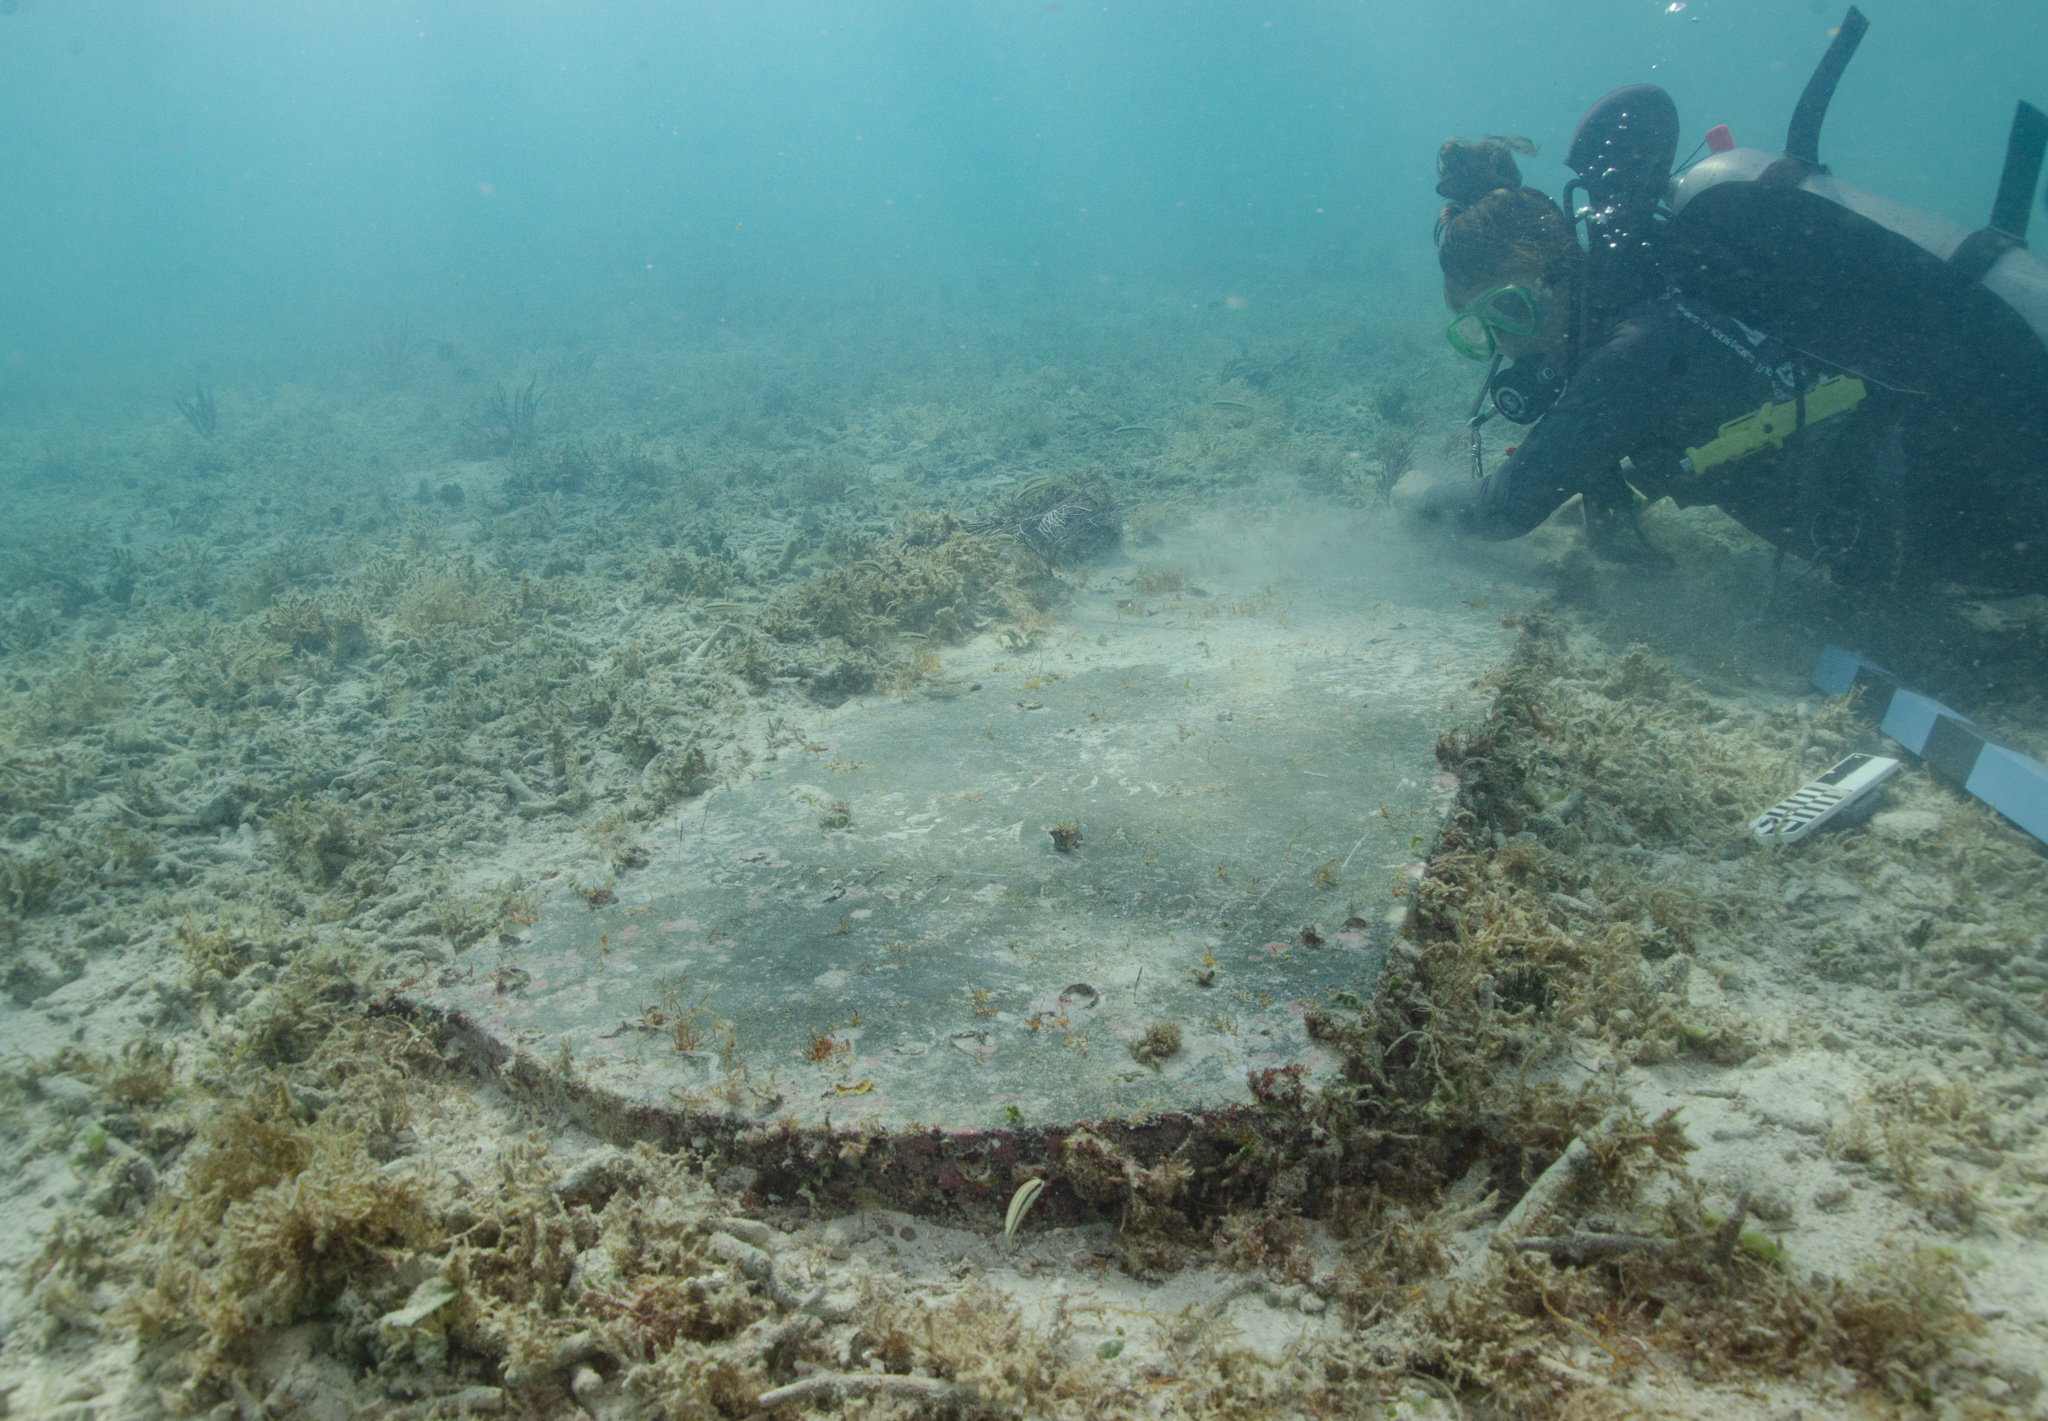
<point>1505,308</point>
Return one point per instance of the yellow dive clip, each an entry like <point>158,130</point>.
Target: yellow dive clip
<point>1773,424</point>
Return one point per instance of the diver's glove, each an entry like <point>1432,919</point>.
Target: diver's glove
<point>1449,504</point>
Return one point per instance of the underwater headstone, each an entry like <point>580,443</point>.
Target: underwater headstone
<point>1105,875</point>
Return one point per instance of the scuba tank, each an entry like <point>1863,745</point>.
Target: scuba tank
<point>1862,284</point>
<point>1622,152</point>
<point>1854,282</point>
<point>1945,328</point>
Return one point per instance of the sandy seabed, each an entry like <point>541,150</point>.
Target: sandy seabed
<point>1644,1119</point>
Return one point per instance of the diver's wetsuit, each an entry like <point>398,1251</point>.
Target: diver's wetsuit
<point>1906,488</point>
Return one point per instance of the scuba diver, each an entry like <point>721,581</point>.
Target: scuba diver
<point>1861,385</point>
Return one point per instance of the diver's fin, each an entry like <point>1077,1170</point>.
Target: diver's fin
<point>2023,154</point>
<point>1802,137</point>
<point>1979,252</point>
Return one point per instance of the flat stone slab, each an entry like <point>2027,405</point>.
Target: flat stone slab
<point>879,929</point>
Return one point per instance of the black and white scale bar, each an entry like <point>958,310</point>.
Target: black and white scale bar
<point>2015,785</point>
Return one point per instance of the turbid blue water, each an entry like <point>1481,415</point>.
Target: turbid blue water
<point>248,187</point>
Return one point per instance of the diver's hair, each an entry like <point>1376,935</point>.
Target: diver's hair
<point>1491,225</point>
